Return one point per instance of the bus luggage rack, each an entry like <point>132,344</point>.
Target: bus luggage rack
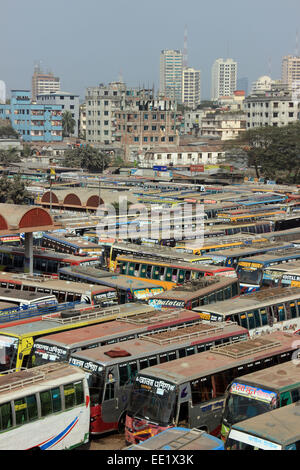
<point>182,440</point>
<point>152,317</point>
<point>175,334</point>
<point>84,316</point>
<point>239,349</point>
<point>35,376</point>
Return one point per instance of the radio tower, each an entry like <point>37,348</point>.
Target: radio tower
<point>185,53</point>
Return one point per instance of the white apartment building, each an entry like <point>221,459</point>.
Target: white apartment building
<point>276,107</point>
<point>223,126</point>
<point>191,87</point>
<point>263,83</point>
<point>224,78</point>
<point>170,79</point>
<point>181,155</point>
<point>290,71</point>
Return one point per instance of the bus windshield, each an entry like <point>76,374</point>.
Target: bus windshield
<point>8,352</point>
<point>239,407</point>
<point>152,400</point>
<point>249,275</point>
<point>44,353</point>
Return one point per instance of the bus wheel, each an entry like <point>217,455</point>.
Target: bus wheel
<point>121,424</point>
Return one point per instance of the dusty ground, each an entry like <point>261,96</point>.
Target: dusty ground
<point>111,441</point>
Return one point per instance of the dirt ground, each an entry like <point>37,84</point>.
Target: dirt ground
<point>111,441</point>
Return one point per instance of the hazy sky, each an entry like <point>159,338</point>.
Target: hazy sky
<point>87,42</point>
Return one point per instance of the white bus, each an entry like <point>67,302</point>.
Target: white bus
<point>44,408</point>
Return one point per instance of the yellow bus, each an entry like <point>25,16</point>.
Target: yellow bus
<point>224,244</point>
<point>16,340</point>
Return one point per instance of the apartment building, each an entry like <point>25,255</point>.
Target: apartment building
<point>276,107</point>
<point>170,80</point>
<point>181,156</point>
<point>223,78</point>
<point>67,101</point>
<point>32,121</point>
<point>191,87</point>
<point>290,71</point>
<point>43,83</point>
<point>222,125</point>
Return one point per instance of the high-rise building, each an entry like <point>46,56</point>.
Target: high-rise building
<point>290,71</point>
<point>224,77</point>
<point>67,101</point>
<point>191,87</point>
<point>43,83</point>
<point>171,65</point>
<point>2,92</point>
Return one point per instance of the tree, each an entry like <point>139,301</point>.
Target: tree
<point>13,191</point>
<point>86,157</point>
<point>272,151</point>
<point>6,130</point>
<point>9,156</point>
<point>68,123</point>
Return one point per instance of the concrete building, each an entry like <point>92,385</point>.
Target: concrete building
<point>262,84</point>
<point>67,101</point>
<point>170,79</point>
<point>191,87</point>
<point>2,92</point>
<point>101,104</point>
<point>33,122</point>
<point>82,120</point>
<point>276,107</point>
<point>181,156</point>
<point>223,125</point>
<point>290,71</point>
<point>224,78</point>
<point>234,102</point>
<point>43,83</point>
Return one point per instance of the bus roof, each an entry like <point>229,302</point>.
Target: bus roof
<point>15,382</point>
<point>281,426</point>
<point>275,257</point>
<point>47,254</point>
<point>221,357</point>
<point>115,328</point>
<point>250,249</point>
<point>176,264</point>
<point>192,289</point>
<point>59,322</point>
<point>16,294</point>
<point>276,378</point>
<point>51,283</point>
<point>155,343</point>
<point>250,301</point>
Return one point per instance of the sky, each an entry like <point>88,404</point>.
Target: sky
<point>87,42</point>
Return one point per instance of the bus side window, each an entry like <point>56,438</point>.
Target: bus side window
<point>6,416</point>
<point>285,399</point>
<point>109,391</point>
<point>123,374</point>
<point>295,395</point>
<point>69,393</point>
<point>79,393</point>
<point>133,370</point>
<point>20,411</point>
<point>143,363</point>
<point>264,317</point>
<point>152,361</point>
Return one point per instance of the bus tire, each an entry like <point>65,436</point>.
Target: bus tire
<point>121,423</point>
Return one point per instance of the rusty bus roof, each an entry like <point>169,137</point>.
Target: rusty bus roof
<point>155,343</point>
<point>247,302</point>
<point>192,289</point>
<point>275,378</point>
<point>18,382</point>
<point>115,328</point>
<point>220,358</point>
<point>281,426</point>
<point>173,265</point>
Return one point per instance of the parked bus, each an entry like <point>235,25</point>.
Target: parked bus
<point>190,391</point>
<point>259,392</point>
<point>220,244</point>
<point>250,217</point>
<point>16,340</point>
<point>59,346</point>
<point>275,430</point>
<point>232,256</point>
<point>251,271</point>
<point>179,439</point>
<point>284,274</point>
<point>64,291</point>
<point>13,258</point>
<point>71,245</point>
<point>44,408</point>
<point>173,272</point>
<point>15,298</point>
<point>196,293</point>
<point>129,288</point>
<point>259,227</point>
<point>276,308</point>
<point>112,368</point>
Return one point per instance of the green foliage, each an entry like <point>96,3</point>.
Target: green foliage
<point>6,130</point>
<point>273,151</point>
<point>9,156</point>
<point>87,157</point>
<point>68,124</point>
<point>13,191</point>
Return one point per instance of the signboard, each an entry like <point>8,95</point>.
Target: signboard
<point>160,168</point>
<point>199,168</point>
<point>253,392</point>
<point>167,303</point>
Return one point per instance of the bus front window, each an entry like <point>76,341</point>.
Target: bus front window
<point>154,403</point>
<point>8,352</point>
<point>249,276</point>
<point>239,408</point>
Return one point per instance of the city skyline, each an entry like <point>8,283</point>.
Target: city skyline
<point>85,44</point>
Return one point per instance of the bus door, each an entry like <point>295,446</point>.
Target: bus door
<point>285,399</point>
<point>184,406</point>
<point>110,401</point>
